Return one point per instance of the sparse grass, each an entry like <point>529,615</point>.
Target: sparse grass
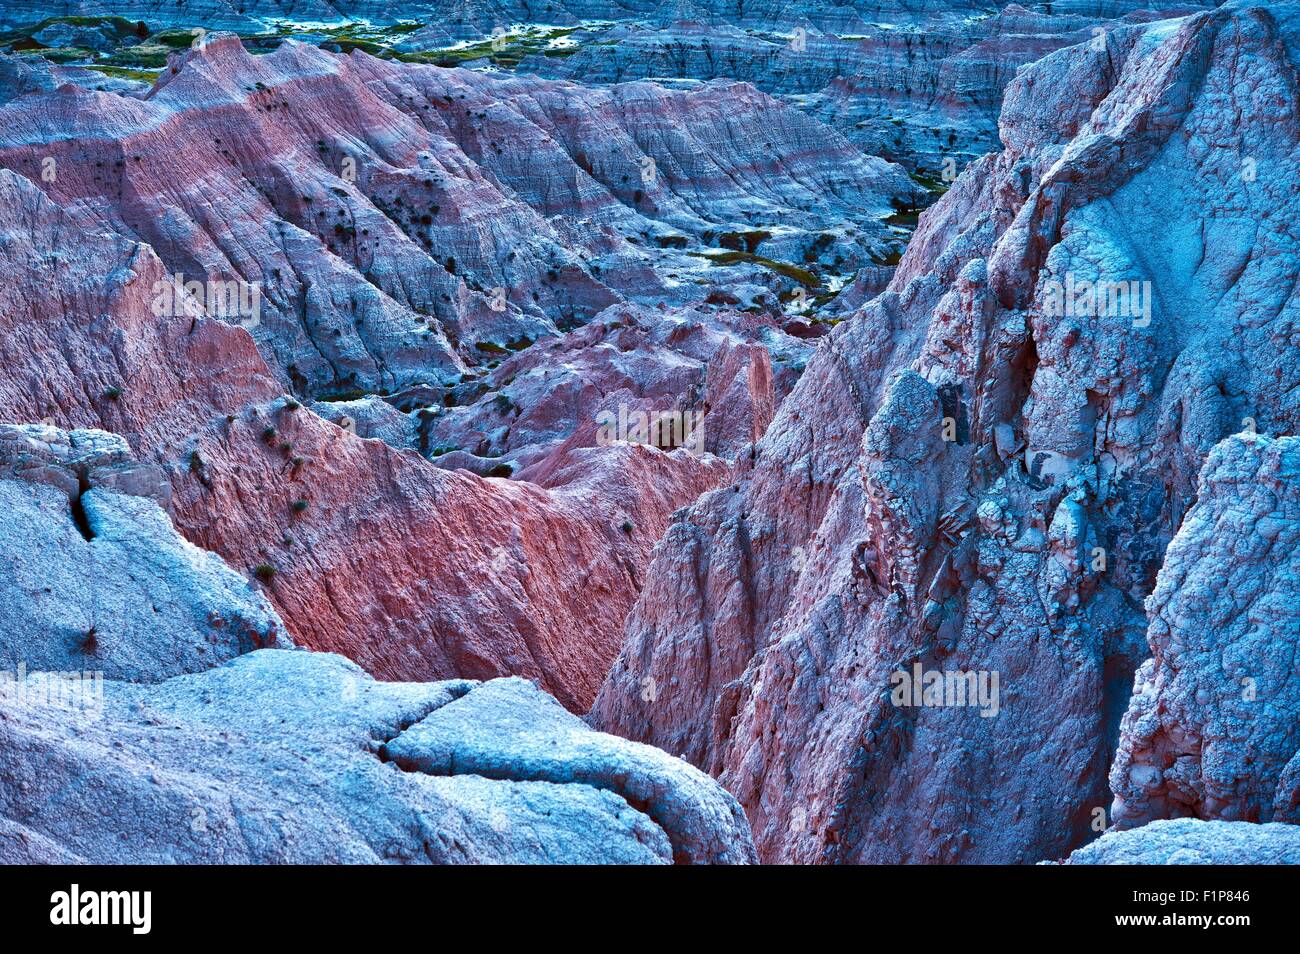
<point>66,54</point>
<point>123,72</point>
<point>143,56</point>
<point>935,186</point>
<point>510,49</point>
<point>801,275</point>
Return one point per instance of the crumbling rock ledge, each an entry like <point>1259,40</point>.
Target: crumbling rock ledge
<point>507,729</point>
<point>275,757</point>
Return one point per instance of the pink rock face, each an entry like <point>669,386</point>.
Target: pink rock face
<point>412,571</point>
<point>973,479</point>
<point>713,369</point>
<point>1213,728</point>
<point>396,219</point>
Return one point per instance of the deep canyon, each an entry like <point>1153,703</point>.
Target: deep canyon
<point>622,431</point>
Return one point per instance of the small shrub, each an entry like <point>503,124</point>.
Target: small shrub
<point>264,572</point>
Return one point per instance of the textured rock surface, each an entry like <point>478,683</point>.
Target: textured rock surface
<point>861,542</point>
<point>278,757</point>
<point>396,219</point>
<point>462,576</point>
<point>508,730</point>
<point>110,586</point>
<point>130,733</point>
<point>916,82</point>
<point>1213,729</point>
<point>711,368</point>
<point>1186,842</point>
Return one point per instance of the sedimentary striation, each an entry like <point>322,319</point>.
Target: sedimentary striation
<point>402,223</point>
<point>135,675</point>
<point>599,362</point>
<point>413,571</point>
<point>970,477</point>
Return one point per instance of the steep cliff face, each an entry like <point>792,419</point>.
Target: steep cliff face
<point>412,571</point>
<point>1212,731</point>
<point>979,474</point>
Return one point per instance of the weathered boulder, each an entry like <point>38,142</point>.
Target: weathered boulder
<point>96,579</point>
<point>1188,842</point>
<point>279,757</point>
<point>412,571</point>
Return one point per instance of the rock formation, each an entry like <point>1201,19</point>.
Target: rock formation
<point>1213,728</point>
<point>1186,842</point>
<point>463,577</point>
<point>972,478</point>
<point>132,676</point>
<point>96,578</point>
<point>281,757</point>
<point>388,226</point>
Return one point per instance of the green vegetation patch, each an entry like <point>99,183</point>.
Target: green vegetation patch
<point>801,275</point>
<point>122,72</point>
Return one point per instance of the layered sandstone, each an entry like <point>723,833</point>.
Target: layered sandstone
<point>412,571</point>
<point>969,479</point>
<point>388,225</point>
<point>282,757</point>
